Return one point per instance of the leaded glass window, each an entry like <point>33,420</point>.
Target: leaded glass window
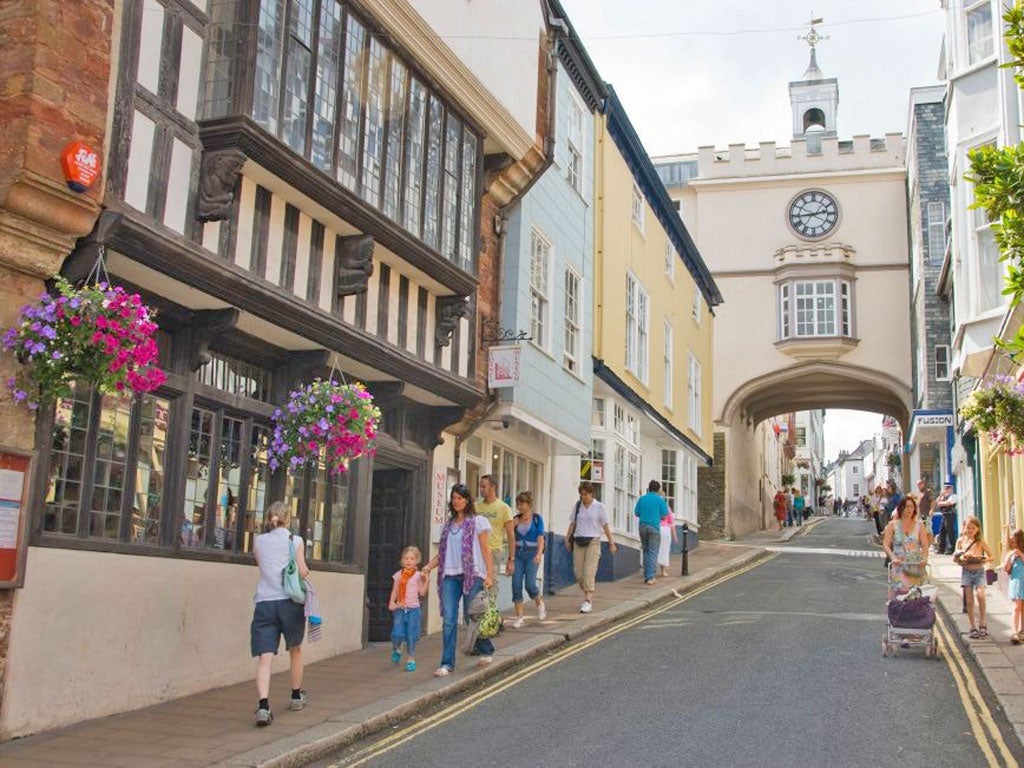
<point>414,158</point>
<point>395,138</point>
<point>351,102</point>
<point>326,97</point>
<point>450,192</point>
<point>435,136</point>
<point>373,134</point>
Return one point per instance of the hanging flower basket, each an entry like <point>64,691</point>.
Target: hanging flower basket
<point>99,334</point>
<point>339,420</point>
<point>997,408</point>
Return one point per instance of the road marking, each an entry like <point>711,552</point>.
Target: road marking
<point>826,551</point>
<point>413,730</point>
<point>978,713</point>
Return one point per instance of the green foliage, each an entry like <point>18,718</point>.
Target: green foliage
<point>788,479</point>
<point>997,407</point>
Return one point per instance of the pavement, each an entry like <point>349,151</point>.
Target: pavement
<point>357,694</point>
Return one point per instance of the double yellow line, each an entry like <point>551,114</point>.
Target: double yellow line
<point>410,732</point>
<point>983,725</point>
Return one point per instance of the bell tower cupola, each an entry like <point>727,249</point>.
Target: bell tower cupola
<point>814,98</point>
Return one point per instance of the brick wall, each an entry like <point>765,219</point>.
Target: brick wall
<point>54,74</point>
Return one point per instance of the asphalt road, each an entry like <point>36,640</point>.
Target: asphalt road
<point>779,666</point>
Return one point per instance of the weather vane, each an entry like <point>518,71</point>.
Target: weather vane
<point>814,37</point>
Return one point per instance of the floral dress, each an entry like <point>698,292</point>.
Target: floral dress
<point>907,547</point>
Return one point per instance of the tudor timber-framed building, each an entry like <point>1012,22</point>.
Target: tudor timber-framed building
<point>296,185</point>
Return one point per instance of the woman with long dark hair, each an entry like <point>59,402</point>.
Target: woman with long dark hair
<point>465,566</point>
<point>906,543</point>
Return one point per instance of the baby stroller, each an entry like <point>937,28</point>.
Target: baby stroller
<point>911,619</point>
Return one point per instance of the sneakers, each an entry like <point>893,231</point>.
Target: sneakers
<point>264,717</point>
<point>517,622</point>
<point>542,611</point>
<point>396,657</point>
<point>296,704</point>
<point>410,666</point>
<point>586,607</point>
<point>485,661</point>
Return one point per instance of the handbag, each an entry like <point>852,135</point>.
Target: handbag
<point>294,588</point>
<point>990,576</point>
<point>574,540</point>
<point>915,613</point>
<point>491,623</point>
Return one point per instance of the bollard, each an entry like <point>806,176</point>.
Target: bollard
<point>686,557</point>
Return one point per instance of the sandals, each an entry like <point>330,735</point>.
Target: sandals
<point>983,631</point>
<point>1015,639</point>
<point>974,634</point>
<point>442,671</point>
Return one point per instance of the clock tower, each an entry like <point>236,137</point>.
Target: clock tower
<point>814,98</point>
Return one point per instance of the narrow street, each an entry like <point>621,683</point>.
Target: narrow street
<point>779,665</point>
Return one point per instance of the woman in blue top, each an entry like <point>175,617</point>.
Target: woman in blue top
<point>529,530</point>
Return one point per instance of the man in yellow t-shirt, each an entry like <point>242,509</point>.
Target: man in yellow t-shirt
<point>500,517</point>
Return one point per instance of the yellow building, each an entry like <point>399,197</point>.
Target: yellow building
<point>653,326</point>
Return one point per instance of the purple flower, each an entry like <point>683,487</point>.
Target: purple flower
<point>57,355</point>
<point>19,395</point>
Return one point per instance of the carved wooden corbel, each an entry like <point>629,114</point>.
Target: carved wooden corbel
<point>450,309</point>
<point>218,181</point>
<point>207,324</point>
<point>306,364</point>
<point>354,259</point>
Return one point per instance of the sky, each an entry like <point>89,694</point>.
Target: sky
<point>695,73</point>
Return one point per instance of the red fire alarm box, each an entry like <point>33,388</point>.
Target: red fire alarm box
<point>81,165</point>
<point>15,471</point>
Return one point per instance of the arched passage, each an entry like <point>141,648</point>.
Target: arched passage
<point>736,494</point>
<point>818,384</point>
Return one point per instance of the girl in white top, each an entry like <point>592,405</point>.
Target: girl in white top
<point>275,614</point>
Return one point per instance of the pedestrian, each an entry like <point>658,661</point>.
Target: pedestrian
<point>529,532</point>
<point>799,506</point>
<point>1013,564</point>
<point>583,540</point>
<point>465,566</point>
<point>925,504</point>
<point>275,614</point>
<point>652,511</point>
<point>406,616</point>
<point>789,506</point>
<point>971,554</point>
<point>894,498</point>
<point>903,543</point>
<point>499,516</point>
<point>668,538</point>
<point>779,507</point>
<point>946,504</point>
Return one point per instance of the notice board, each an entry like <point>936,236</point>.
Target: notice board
<point>15,471</point>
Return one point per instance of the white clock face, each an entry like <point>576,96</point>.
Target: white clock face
<point>813,214</point>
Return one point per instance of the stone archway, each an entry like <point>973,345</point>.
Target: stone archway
<point>732,497</point>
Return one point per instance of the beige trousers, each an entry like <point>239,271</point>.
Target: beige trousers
<point>584,564</point>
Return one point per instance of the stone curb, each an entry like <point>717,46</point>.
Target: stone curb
<point>322,740</point>
<point>989,655</point>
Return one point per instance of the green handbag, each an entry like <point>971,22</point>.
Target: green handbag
<point>294,587</point>
<point>491,623</point>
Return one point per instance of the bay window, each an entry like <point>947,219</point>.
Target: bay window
<point>815,308</point>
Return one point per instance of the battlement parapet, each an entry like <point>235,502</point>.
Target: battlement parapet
<point>811,155</point>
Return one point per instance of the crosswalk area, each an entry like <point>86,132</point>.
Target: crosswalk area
<point>786,550</point>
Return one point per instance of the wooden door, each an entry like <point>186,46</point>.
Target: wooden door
<point>389,508</point>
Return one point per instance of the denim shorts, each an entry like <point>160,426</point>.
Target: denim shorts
<point>273,618</point>
<point>974,578</point>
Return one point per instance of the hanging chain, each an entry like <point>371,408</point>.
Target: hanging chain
<point>98,273</point>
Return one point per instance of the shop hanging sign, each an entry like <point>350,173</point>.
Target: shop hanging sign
<point>502,366</point>
<point>81,165</point>
<point>934,420</point>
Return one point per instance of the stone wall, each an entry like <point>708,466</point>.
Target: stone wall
<point>711,493</point>
<point>54,76</point>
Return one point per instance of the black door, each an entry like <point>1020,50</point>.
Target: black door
<point>389,509</point>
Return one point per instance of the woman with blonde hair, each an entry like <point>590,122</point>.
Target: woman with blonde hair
<point>972,554</point>
<point>275,614</point>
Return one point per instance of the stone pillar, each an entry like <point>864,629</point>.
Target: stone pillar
<point>55,60</point>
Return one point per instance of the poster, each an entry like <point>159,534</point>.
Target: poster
<point>14,469</point>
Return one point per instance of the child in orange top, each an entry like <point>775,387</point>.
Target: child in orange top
<point>410,585</point>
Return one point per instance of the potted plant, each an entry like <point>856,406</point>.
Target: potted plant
<point>324,420</point>
<point>997,408</point>
<point>97,334</point>
<point>787,479</point>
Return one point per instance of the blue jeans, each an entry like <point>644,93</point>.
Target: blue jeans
<point>405,627</point>
<point>650,540</point>
<point>451,596</point>
<point>525,569</point>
